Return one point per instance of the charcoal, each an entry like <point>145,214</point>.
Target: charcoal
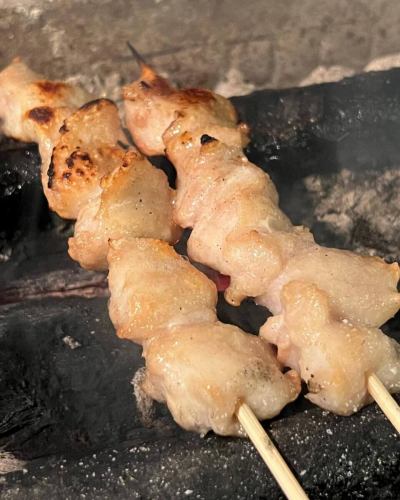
<point>66,391</point>
<point>67,410</point>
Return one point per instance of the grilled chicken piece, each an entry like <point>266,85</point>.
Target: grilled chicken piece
<point>87,149</point>
<point>33,109</point>
<point>152,104</point>
<point>360,289</point>
<point>333,356</point>
<point>205,371</point>
<point>232,206</point>
<point>134,201</point>
<point>77,142</point>
<point>153,288</point>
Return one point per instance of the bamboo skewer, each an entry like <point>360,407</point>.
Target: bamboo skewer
<point>384,400</point>
<point>270,454</point>
<point>274,460</point>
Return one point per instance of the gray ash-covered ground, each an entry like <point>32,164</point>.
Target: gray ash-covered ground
<point>360,208</point>
<point>334,457</point>
<point>354,210</point>
<point>67,410</point>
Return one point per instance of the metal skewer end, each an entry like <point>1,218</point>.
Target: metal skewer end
<point>138,58</point>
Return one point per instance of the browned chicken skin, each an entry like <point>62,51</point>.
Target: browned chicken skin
<point>152,104</point>
<point>33,109</point>
<point>86,150</point>
<point>134,200</point>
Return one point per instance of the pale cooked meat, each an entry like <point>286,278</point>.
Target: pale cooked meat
<point>333,356</point>
<point>77,146</point>
<point>134,201</point>
<point>86,150</point>
<point>153,288</point>
<point>33,109</point>
<point>89,245</point>
<point>31,106</point>
<point>205,371</point>
<point>361,289</point>
<point>217,174</point>
<point>152,104</point>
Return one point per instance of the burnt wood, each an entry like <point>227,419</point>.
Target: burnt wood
<point>66,402</point>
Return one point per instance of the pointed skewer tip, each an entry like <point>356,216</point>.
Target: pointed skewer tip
<point>138,58</point>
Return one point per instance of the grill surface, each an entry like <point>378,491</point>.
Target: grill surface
<point>333,151</point>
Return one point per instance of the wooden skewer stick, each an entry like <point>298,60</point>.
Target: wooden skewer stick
<point>385,401</point>
<point>270,454</point>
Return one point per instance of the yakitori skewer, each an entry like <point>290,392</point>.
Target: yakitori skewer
<point>238,229</point>
<point>116,195</point>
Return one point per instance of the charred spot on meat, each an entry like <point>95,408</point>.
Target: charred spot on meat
<point>50,173</point>
<point>50,87</point>
<point>205,139</point>
<point>63,129</point>
<point>145,85</point>
<point>77,155</point>
<point>41,114</point>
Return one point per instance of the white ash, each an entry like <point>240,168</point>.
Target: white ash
<point>323,74</point>
<point>5,254</point>
<point>71,342</point>
<point>234,84</point>
<point>383,63</point>
<point>98,86</point>
<point>57,39</point>
<point>362,208</point>
<point>9,463</point>
<point>145,404</point>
